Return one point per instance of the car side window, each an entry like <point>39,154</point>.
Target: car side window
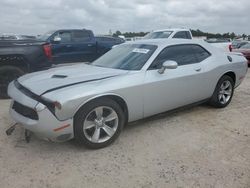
<point>65,36</point>
<point>200,53</point>
<point>188,35</point>
<point>182,54</point>
<point>80,36</point>
<point>180,35</point>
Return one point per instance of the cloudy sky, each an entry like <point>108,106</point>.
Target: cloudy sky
<point>39,16</point>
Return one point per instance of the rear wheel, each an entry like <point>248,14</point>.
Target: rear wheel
<point>98,123</point>
<point>7,74</point>
<point>223,93</point>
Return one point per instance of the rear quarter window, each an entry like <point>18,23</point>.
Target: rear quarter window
<point>200,53</point>
<point>180,35</point>
<point>188,35</point>
<point>183,35</point>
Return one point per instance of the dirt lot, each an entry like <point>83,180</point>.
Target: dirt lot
<point>196,147</point>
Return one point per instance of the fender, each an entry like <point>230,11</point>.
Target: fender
<point>98,96</point>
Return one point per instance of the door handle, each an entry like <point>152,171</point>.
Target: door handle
<point>197,69</point>
<point>90,44</point>
<point>68,45</point>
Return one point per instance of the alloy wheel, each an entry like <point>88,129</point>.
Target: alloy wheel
<point>100,124</point>
<point>225,92</point>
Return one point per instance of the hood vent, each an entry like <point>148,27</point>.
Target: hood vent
<point>59,76</point>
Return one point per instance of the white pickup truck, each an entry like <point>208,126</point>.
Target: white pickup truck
<point>170,33</point>
<point>182,34</point>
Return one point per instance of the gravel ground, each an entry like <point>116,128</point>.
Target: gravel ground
<point>196,147</point>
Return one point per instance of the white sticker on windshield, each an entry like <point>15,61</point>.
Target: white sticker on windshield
<point>141,50</point>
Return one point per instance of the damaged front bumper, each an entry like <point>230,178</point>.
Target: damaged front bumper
<point>37,118</point>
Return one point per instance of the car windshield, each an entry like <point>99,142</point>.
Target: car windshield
<point>246,46</point>
<point>126,57</point>
<point>45,36</point>
<point>158,34</point>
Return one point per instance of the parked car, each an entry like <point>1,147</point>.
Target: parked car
<point>245,50</point>
<point>170,33</point>
<point>75,45</point>
<point>92,102</point>
<point>237,44</point>
<point>105,43</point>
<point>18,57</point>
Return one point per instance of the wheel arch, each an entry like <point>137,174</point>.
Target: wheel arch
<point>214,99</point>
<point>230,74</point>
<point>117,98</point>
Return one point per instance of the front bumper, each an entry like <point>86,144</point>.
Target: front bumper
<point>46,126</point>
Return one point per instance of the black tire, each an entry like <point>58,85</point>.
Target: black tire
<point>82,114</point>
<point>7,74</point>
<point>215,101</point>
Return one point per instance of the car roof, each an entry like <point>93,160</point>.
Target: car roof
<point>172,29</point>
<point>167,42</point>
<point>71,30</point>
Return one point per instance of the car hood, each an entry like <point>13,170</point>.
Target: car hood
<point>56,78</point>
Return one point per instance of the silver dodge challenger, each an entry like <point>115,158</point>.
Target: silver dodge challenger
<point>92,102</point>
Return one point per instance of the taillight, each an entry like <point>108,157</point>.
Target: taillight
<point>47,50</point>
<point>230,47</point>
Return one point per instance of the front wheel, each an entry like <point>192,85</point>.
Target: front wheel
<point>98,123</point>
<point>223,93</point>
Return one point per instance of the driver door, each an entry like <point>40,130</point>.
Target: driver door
<point>175,87</point>
<point>62,50</point>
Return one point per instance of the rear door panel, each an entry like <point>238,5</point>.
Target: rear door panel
<point>84,46</point>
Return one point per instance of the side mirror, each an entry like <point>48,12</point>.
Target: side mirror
<point>168,65</point>
<point>57,39</point>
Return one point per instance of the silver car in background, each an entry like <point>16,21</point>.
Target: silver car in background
<point>92,102</point>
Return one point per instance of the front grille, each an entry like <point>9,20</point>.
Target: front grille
<point>25,111</point>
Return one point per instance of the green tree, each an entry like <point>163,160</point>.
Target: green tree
<point>232,35</point>
<point>244,36</point>
<point>117,33</point>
